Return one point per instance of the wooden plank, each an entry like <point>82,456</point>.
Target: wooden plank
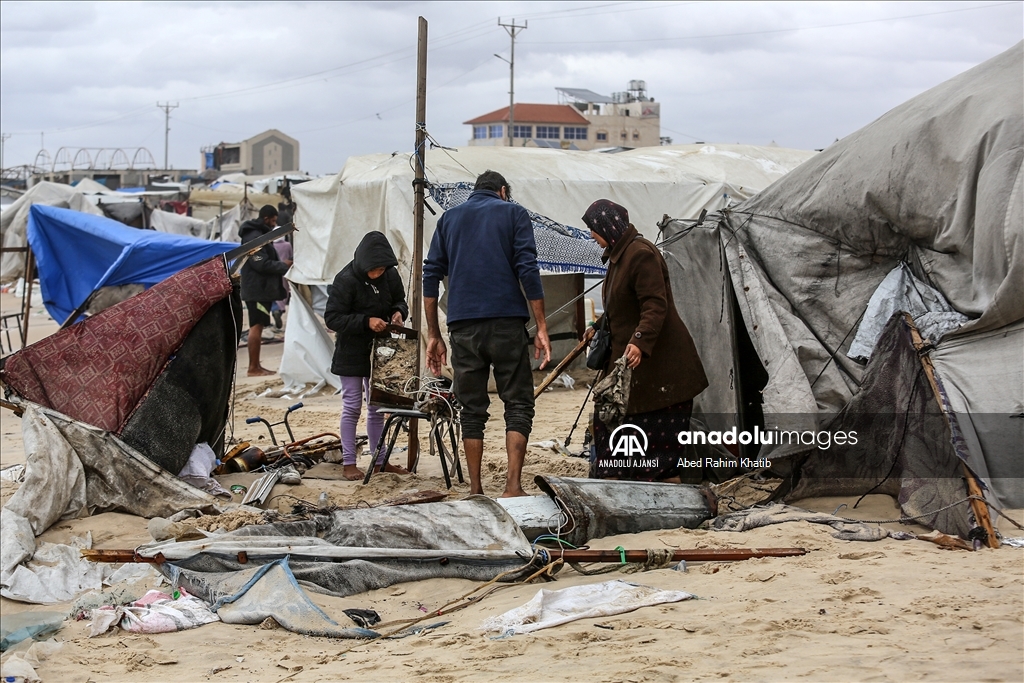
<point>979,508</point>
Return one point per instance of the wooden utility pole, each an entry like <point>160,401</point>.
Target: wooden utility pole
<point>416,286</point>
<point>513,29</point>
<point>167,107</point>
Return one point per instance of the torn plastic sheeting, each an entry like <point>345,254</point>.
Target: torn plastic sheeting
<point>308,349</point>
<point>553,608</point>
<point>597,508</point>
<point>116,476</point>
<point>473,539</point>
<point>473,529</point>
<point>15,628</point>
<point>55,573</point>
<point>73,470</point>
<point>272,591</point>
<point>756,517</point>
<point>901,291</point>
<point>155,612</point>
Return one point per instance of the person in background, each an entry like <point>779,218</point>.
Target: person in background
<point>364,298</point>
<point>261,283</point>
<point>645,328</point>
<point>284,252</point>
<point>486,249</point>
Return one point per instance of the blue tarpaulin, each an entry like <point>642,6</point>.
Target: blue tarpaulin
<point>77,253</point>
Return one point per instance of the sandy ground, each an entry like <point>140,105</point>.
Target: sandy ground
<point>890,610</point>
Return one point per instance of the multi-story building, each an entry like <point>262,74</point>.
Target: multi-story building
<point>269,152</point>
<point>582,120</point>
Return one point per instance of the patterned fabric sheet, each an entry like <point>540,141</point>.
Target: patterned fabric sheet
<point>560,248</point>
<point>97,370</point>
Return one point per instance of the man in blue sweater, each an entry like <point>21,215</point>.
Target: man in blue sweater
<point>485,247</point>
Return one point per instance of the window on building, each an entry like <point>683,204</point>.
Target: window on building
<point>623,135</point>
<point>547,132</point>
<point>522,131</point>
<point>575,133</point>
<point>636,135</point>
<point>496,131</point>
<point>479,132</point>
<point>602,136</point>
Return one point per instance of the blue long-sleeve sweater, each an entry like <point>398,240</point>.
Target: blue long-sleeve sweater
<point>485,247</point>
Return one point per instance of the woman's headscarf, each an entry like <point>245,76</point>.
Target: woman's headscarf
<point>607,219</point>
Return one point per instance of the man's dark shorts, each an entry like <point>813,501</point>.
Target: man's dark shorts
<point>259,312</point>
<point>501,343</point>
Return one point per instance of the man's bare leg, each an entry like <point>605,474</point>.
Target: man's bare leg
<point>474,456</point>
<point>515,444</point>
<point>253,343</point>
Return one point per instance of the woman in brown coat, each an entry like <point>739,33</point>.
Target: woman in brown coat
<point>647,330</point>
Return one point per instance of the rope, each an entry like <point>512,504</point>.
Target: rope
<point>466,600</point>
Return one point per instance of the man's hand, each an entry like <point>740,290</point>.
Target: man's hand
<point>589,334</point>
<point>633,355</point>
<point>396,318</point>
<point>378,325</point>
<point>437,355</point>
<point>542,345</point>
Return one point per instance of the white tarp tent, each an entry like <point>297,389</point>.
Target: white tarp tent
<point>14,220</point>
<point>375,192</point>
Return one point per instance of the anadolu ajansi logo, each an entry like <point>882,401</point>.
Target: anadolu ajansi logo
<point>629,441</point>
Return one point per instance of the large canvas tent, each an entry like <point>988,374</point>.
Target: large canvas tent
<point>375,192</point>
<point>918,212</point>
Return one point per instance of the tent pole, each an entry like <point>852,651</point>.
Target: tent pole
<point>416,286</point>
<point>979,508</point>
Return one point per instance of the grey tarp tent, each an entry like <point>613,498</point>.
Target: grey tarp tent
<point>787,276</point>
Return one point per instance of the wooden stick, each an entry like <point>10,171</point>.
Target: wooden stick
<point>687,554</point>
<point>979,508</point>
<point>573,355</point>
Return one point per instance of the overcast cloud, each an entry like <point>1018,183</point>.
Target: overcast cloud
<point>340,77</point>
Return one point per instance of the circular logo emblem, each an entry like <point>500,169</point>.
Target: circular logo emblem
<point>629,441</point>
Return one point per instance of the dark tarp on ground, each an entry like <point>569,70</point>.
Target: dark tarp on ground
<point>353,551</point>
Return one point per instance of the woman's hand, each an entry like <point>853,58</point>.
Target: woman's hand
<point>378,325</point>
<point>396,318</point>
<point>633,355</point>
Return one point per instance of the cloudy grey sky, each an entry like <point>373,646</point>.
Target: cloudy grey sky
<point>340,76</point>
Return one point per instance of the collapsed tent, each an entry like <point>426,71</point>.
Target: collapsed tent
<point>79,253</point>
<point>14,221</point>
<point>918,212</point>
<point>155,370</point>
<point>375,192</point>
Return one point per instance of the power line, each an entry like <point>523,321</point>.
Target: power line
<point>766,31</point>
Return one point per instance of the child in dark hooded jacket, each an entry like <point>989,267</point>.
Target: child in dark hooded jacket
<point>366,295</point>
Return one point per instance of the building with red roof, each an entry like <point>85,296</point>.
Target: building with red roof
<point>583,120</point>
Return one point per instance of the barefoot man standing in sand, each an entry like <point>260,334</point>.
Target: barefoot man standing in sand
<point>485,247</point>
<point>261,283</point>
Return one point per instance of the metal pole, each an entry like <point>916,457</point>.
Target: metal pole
<point>512,29</point>
<point>3,140</point>
<point>416,286</point>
